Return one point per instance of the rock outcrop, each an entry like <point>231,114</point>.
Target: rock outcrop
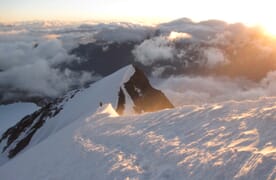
<point>17,137</point>
<point>145,98</point>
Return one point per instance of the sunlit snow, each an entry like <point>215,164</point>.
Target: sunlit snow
<point>231,140</point>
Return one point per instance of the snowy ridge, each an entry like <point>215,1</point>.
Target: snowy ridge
<point>48,120</point>
<point>231,140</point>
<point>79,104</point>
<point>128,101</point>
<point>106,109</point>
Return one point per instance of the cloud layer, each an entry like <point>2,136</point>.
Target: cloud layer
<point>212,47</point>
<point>35,59</point>
<point>210,61</point>
<point>31,64</point>
<point>197,90</point>
<point>156,49</point>
<point>206,61</point>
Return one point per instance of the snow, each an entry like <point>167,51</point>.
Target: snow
<point>230,140</point>
<point>128,73</point>
<point>13,113</point>
<point>107,109</point>
<point>84,103</point>
<point>129,104</point>
<point>79,107</point>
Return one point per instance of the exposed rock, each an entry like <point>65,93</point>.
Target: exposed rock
<point>99,54</point>
<point>16,138</point>
<point>144,96</point>
<point>121,102</point>
<point>19,136</point>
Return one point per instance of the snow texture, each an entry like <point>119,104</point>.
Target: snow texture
<point>230,140</point>
<point>12,113</point>
<point>129,104</point>
<point>80,106</point>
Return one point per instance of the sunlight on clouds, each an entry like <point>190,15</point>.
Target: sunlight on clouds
<point>249,12</point>
<point>12,32</point>
<point>51,36</point>
<point>177,35</point>
<point>269,27</point>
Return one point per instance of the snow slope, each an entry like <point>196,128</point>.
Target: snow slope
<point>12,113</point>
<point>74,107</point>
<point>87,101</point>
<point>231,140</point>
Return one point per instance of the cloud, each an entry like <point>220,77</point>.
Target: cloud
<point>172,50</point>
<point>34,65</point>
<point>155,49</point>
<point>212,89</point>
<point>214,57</point>
<point>33,57</point>
<point>123,32</point>
<point>207,47</point>
<point>40,79</point>
<point>269,84</point>
<point>202,31</point>
<point>219,62</point>
<point>178,35</point>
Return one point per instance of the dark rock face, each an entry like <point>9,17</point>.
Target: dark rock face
<point>99,54</point>
<point>121,102</point>
<point>19,136</point>
<point>144,96</point>
<point>16,138</point>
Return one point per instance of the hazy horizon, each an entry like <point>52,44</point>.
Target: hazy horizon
<point>247,12</point>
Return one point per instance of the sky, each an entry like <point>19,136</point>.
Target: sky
<point>251,12</point>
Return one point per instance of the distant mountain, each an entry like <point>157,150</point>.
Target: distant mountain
<point>103,58</point>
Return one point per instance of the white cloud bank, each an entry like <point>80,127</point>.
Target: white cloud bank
<point>29,63</point>
<point>167,48</point>
<point>32,54</point>
<point>163,48</point>
<point>198,90</point>
<point>214,57</point>
<point>156,49</point>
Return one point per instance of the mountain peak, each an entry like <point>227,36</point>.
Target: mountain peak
<point>136,95</point>
<point>143,97</point>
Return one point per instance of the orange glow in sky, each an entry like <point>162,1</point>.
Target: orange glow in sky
<point>250,12</point>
